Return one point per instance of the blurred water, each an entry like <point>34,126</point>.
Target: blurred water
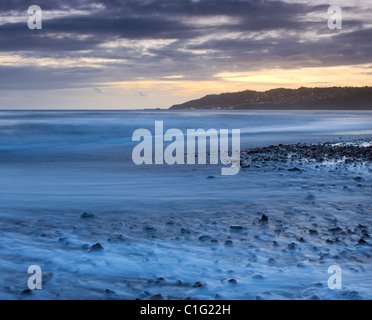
<point>21,130</point>
<point>54,165</point>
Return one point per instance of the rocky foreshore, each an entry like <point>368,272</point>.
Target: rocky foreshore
<point>358,153</point>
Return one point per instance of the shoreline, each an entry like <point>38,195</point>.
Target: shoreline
<point>269,233</point>
<point>357,153</point>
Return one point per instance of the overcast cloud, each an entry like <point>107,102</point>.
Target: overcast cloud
<point>95,44</point>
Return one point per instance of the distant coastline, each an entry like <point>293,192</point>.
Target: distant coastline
<point>331,98</point>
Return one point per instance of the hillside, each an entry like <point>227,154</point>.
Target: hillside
<point>333,98</point>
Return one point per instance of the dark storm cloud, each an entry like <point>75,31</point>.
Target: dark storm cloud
<point>268,31</point>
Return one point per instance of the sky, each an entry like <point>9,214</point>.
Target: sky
<point>111,54</point>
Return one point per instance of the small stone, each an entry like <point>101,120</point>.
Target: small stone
<point>26,292</point>
<point>310,197</point>
<point>292,246</point>
<point>157,297</point>
<point>236,228</point>
<point>294,169</point>
<point>300,265</point>
<point>229,243</point>
<point>159,282</point>
<point>96,247</point>
<point>149,229</point>
<point>108,291</point>
<point>86,215</point>
<point>257,276</point>
<point>205,238</point>
<point>232,281</point>
<point>197,284</point>
<point>264,218</point>
<point>116,236</point>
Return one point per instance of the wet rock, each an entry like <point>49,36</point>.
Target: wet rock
<point>313,231</point>
<point>292,246</point>
<point>149,229</point>
<point>300,265</point>
<point>257,276</point>
<point>159,281</point>
<point>108,292</point>
<point>232,281</point>
<point>116,237</point>
<point>294,169</point>
<point>264,219</point>
<point>197,284</point>
<point>229,243</point>
<point>205,238</point>
<point>157,297</point>
<point>236,228</point>
<point>86,215</point>
<point>96,247</point>
<point>185,231</point>
<point>26,292</point>
<point>362,242</point>
<point>310,197</point>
